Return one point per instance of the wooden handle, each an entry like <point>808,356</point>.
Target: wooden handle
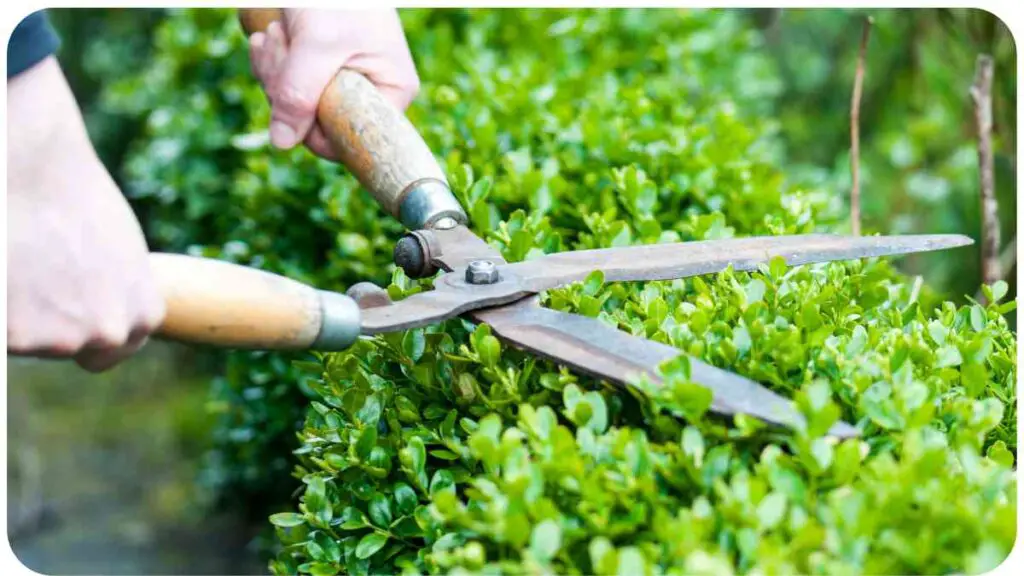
<point>232,306</point>
<point>378,144</point>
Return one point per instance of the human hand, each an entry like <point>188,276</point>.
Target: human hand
<point>79,284</point>
<point>297,60</point>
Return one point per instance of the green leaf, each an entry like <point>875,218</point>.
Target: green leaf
<point>369,414</point>
<point>771,510</point>
<point>631,562</point>
<point>593,283</point>
<point>977,318</point>
<point>367,440</point>
<point>287,519</point>
<point>370,545</point>
<point>443,481</point>
<point>414,458</point>
<point>693,445</point>
<point>755,290</point>
<point>948,356</point>
<point>413,344</point>
<point>999,290</point>
<point>545,540</point>
<point>405,498</point>
<point>974,377</point>
<point>480,190</point>
<point>1000,454</point>
<point>380,510</point>
<point>352,519</point>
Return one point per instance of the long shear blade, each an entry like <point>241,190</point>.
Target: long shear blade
<point>452,296</point>
<point>686,259</point>
<point>590,346</point>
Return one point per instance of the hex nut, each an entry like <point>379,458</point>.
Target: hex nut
<point>481,272</point>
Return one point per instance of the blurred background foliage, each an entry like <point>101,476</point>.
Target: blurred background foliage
<point>175,115</point>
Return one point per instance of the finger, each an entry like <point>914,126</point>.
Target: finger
<point>304,75</point>
<point>102,359</point>
<point>317,142</point>
<point>269,56</point>
<point>397,81</point>
<point>256,42</point>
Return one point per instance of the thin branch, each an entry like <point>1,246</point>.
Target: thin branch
<point>981,93</point>
<point>858,87</point>
<point>1008,257</point>
<point>1007,263</point>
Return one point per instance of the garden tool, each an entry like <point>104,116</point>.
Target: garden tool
<point>220,303</point>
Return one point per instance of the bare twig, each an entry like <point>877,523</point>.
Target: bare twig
<point>981,93</point>
<point>1008,257</point>
<point>858,87</point>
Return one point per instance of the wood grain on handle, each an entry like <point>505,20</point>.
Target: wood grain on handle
<point>257,19</point>
<point>377,143</point>
<point>227,305</point>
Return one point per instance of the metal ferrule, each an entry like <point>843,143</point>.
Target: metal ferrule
<point>340,322</point>
<point>427,203</point>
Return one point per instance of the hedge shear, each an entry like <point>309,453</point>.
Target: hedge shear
<point>229,305</point>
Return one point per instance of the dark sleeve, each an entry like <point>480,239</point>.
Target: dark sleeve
<point>32,40</point>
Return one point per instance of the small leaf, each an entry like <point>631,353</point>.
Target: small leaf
<point>380,510</point>
<point>974,378</point>
<point>771,510</point>
<point>999,290</point>
<point>369,414</point>
<point>480,190</point>
<point>693,445</point>
<point>948,356</point>
<point>370,545</point>
<point>545,540</point>
<point>977,318</point>
<point>367,440</point>
<point>631,562</point>
<point>777,267</point>
<point>755,290</point>
<point>592,284</point>
<point>999,453</point>
<point>405,498</point>
<point>443,481</point>
<point>287,519</point>
<point>352,519</point>
<point>413,344</point>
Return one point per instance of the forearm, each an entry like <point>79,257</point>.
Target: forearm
<point>44,125</point>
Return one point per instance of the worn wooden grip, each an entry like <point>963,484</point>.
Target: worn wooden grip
<point>375,140</point>
<point>257,19</point>
<point>227,305</point>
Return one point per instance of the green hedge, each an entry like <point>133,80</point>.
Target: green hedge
<point>438,450</point>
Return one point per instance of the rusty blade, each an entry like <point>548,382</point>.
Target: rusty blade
<point>457,246</point>
<point>452,296</point>
<point>591,346</point>
<point>686,259</point>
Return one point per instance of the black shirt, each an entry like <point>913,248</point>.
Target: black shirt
<point>32,40</point>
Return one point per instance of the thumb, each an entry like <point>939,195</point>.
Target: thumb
<point>306,72</point>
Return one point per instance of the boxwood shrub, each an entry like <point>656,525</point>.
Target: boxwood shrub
<point>441,450</point>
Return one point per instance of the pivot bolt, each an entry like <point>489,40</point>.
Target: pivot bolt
<point>481,272</point>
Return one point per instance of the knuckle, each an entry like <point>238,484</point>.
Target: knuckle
<point>150,319</point>
<point>109,334</point>
<point>296,101</point>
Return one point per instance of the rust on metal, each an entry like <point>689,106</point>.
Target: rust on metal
<point>457,247</point>
<point>590,346</point>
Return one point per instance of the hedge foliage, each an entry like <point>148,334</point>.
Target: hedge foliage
<point>441,450</point>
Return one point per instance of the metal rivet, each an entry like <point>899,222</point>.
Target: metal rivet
<point>481,272</point>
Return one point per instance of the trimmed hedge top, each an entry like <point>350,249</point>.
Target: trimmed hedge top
<point>440,450</point>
